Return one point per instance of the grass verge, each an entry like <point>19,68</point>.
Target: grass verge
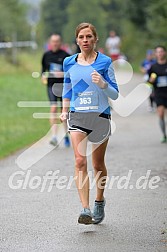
<point>18,128</point>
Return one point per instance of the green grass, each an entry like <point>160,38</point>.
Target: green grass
<point>18,128</point>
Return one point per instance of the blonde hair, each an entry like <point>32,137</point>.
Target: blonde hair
<point>82,26</point>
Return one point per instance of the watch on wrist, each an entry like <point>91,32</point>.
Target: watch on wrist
<point>105,85</point>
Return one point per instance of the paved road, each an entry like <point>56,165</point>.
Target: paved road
<point>135,221</point>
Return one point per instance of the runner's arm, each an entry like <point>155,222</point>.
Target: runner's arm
<point>67,89</point>
<point>111,89</point>
<point>43,63</point>
<point>43,70</point>
<point>142,68</point>
<point>152,76</point>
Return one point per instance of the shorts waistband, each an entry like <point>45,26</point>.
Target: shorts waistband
<point>107,116</point>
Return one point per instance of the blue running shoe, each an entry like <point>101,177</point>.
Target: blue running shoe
<point>85,217</point>
<point>67,141</point>
<point>98,211</point>
<point>54,141</point>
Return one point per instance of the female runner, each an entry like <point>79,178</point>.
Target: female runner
<point>88,83</point>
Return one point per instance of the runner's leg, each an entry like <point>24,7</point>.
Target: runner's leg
<point>53,111</point>
<point>79,140</point>
<point>66,138</point>
<point>161,114</point>
<point>99,168</point>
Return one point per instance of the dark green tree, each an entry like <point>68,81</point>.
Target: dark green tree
<point>78,11</point>
<point>115,14</point>
<point>136,12</point>
<point>54,16</point>
<point>156,21</point>
<point>13,20</point>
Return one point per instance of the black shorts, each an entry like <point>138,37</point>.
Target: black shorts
<point>161,101</point>
<point>96,126</point>
<point>55,92</point>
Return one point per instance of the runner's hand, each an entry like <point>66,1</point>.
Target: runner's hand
<point>44,80</point>
<point>63,116</point>
<point>98,80</point>
<point>152,78</point>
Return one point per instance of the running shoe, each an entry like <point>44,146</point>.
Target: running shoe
<point>150,109</point>
<point>98,211</point>
<point>164,139</point>
<point>54,141</point>
<point>67,141</point>
<point>85,217</point>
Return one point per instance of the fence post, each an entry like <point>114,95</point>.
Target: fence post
<point>14,48</point>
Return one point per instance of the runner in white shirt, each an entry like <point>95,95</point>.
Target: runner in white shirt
<point>113,45</point>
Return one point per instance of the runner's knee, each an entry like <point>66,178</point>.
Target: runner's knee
<point>53,109</point>
<point>161,112</point>
<point>98,166</point>
<point>81,163</point>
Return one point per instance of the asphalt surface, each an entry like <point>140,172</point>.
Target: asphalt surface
<point>136,219</point>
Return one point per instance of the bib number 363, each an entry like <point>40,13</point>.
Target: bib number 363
<point>86,101</point>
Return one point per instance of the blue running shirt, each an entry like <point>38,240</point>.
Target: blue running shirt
<point>84,95</point>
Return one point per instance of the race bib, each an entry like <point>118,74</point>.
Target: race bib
<point>55,67</point>
<point>87,101</point>
<point>162,81</point>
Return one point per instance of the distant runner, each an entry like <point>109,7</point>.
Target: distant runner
<point>113,45</point>
<point>145,67</point>
<point>52,62</point>
<point>158,77</point>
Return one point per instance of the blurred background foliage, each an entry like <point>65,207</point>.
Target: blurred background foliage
<point>140,24</point>
<point>12,20</point>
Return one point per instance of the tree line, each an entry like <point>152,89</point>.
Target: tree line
<point>140,24</point>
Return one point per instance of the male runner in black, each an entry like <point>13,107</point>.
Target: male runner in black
<point>158,77</point>
<point>52,63</point>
